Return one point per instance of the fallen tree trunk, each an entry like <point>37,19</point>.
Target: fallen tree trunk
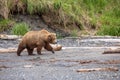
<point>112,51</point>
<point>97,69</point>
<point>8,50</point>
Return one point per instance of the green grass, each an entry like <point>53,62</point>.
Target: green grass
<point>5,24</point>
<point>20,29</point>
<point>57,4</point>
<point>74,33</point>
<point>59,36</point>
<point>95,5</point>
<point>109,30</point>
<point>104,12</point>
<point>111,20</point>
<point>37,6</point>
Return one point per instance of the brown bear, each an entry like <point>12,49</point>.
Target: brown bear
<point>37,39</point>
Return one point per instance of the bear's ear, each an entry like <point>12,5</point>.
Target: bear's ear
<point>53,34</point>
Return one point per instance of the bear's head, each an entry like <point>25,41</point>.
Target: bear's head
<point>51,38</point>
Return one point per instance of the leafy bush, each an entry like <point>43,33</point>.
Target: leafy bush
<point>20,29</point>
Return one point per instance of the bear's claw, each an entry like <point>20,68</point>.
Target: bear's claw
<point>53,52</point>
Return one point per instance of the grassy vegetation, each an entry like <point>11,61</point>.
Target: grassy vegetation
<point>111,20</point>
<point>74,33</point>
<point>101,15</point>
<point>37,6</point>
<point>20,29</point>
<point>109,30</point>
<point>5,24</point>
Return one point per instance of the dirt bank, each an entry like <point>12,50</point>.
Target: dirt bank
<point>36,22</point>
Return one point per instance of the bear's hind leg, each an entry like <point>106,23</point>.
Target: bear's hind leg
<point>39,48</point>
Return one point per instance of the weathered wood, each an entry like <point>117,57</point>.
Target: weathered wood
<point>8,50</point>
<point>9,37</point>
<point>97,69</point>
<point>112,51</point>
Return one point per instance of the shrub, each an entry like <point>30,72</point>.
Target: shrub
<point>20,29</point>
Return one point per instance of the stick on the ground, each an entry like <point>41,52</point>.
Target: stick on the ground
<point>97,69</point>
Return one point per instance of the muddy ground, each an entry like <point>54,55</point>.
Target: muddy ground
<point>77,53</point>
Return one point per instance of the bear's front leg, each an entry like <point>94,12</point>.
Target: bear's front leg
<point>30,51</point>
<point>39,48</point>
<point>49,47</point>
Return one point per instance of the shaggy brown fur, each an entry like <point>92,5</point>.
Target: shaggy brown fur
<point>37,39</point>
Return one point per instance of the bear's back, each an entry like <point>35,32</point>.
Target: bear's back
<point>30,36</point>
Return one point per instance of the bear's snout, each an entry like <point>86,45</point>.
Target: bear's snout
<point>55,42</point>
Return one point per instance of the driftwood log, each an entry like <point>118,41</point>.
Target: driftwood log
<point>112,51</point>
<point>97,69</point>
